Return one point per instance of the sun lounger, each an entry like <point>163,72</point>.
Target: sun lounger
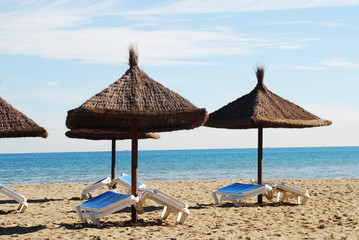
<point>86,193</point>
<point>125,181</point>
<point>287,190</point>
<point>15,196</point>
<point>104,204</point>
<point>239,191</point>
<point>170,204</point>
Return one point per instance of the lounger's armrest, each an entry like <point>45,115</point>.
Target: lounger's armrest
<point>164,196</point>
<point>12,193</point>
<point>285,186</point>
<point>98,184</point>
<point>293,188</point>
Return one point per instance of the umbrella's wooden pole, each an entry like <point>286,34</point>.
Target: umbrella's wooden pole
<point>134,168</point>
<point>113,162</point>
<point>260,160</point>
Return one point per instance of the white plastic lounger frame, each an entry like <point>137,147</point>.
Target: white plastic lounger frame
<point>125,181</point>
<point>15,196</point>
<point>170,204</point>
<point>239,191</point>
<point>86,193</point>
<point>287,190</point>
<point>104,204</point>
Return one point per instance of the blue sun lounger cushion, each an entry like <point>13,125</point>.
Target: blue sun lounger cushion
<point>15,196</point>
<point>239,191</point>
<point>104,204</point>
<point>86,193</point>
<point>126,181</point>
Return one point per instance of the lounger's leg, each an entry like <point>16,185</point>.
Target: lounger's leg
<point>279,195</point>
<point>179,216</point>
<point>298,200</point>
<point>285,197</point>
<point>19,207</point>
<point>165,213</point>
<point>111,185</point>
<point>143,198</point>
<point>86,220</point>
<point>269,195</point>
<point>215,197</point>
<point>139,207</point>
<point>304,201</point>
<point>282,196</point>
<point>182,218</point>
<point>235,202</point>
<point>79,213</point>
<point>95,220</point>
<point>22,207</point>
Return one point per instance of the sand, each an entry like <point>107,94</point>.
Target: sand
<point>331,213</point>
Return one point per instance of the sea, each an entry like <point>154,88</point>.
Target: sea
<point>278,163</point>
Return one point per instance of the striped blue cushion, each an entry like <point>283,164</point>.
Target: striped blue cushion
<point>105,199</point>
<point>239,188</point>
<point>128,180</point>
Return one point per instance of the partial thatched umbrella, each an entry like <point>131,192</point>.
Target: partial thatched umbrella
<point>262,109</point>
<point>14,124</point>
<point>108,135</point>
<point>136,103</point>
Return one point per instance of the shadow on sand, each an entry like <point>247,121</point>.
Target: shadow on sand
<point>21,230</point>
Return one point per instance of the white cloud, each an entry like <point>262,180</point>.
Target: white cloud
<point>108,45</point>
<point>339,62</point>
<point>327,63</point>
<point>60,30</point>
<point>213,6</point>
<point>337,23</point>
<point>311,68</point>
<point>52,83</point>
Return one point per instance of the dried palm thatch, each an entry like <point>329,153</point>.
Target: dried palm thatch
<point>15,124</point>
<point>136,104</point>
<point>99,134</point>
<point>262,108</point>
<point>136,96</point>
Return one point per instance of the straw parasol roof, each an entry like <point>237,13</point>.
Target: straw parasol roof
<point>106,134</point>
<point>15,124</point>
<point>136,104</point>
<point>136,95</point>
<point>263,108</point>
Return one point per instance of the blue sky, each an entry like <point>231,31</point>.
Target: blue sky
<point>54,55</point>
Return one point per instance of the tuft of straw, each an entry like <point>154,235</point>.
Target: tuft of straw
<point>260,74</point>
<point>133,59</point>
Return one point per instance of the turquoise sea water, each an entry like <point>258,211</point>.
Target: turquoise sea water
<point>316,162</point>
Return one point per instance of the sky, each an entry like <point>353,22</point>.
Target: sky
<point>54,55</point>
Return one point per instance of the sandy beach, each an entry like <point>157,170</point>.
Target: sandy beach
<point>331,213</point>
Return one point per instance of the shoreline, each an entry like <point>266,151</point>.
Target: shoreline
<point>332,212</point>
<point>184,149</point>
<point>185,180</point>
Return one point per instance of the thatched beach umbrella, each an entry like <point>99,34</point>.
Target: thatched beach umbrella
<point>262,109</point>
<point>136,103</point>
<point>108,135</point>
<point>14,124</point>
